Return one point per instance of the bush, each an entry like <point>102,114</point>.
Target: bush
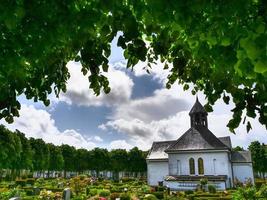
<point>159,195</point>
<point>237,183</point>
<point>187,192</point>
<point>93,192</point>
<point>245,193</point>
<point>30,181</point>
<point>125,196</point>
<point>150,197</point>
<point>115,189</point>
<point>211,189</point>
<point>248,183</point>
<point>114,195</point>
<point>263,191</point>
<point>30,175</point>
<point>160,188</point>
<point>127,179</point>
<point>104,193</point>
<point>82,177</point>
<point>21,182</point>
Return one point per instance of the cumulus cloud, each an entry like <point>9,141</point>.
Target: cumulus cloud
<point>157,71</point>
<point>143,128</point>
<point>98,139</point>
<point>78,91</point>
<point>120,144</point>
<point>156,107</point>
<point>37,123</point>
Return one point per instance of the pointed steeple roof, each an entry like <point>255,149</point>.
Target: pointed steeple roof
<point>197,108</point>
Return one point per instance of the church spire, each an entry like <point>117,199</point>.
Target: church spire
<point>198,115</point>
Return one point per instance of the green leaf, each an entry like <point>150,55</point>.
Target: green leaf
<point>260,66</point>
<point>249,127</point>
<point>105,67</point>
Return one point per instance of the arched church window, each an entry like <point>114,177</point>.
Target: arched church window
<point>192,166</point>
<point>200,166</point>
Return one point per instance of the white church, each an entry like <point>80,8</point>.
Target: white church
<point>197,154</point>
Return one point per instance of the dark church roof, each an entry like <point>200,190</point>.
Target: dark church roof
<point>197,138</point>
<point>226,140</point>
<point>241,157</point>
<point>197,108</point>
<point>158,150</point>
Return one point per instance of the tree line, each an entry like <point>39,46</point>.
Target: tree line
<point>17,154</point>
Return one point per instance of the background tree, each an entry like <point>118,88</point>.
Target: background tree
<point>218,46</point>
<point>68,153</point>
<point>40,155</point>
<point>100,160</point>
<point>258,153</point>
<point>238,148</point>
<point>56,160</point>
<point>118,161</point>
<point>80,160</point>
<point>18,153</point>
<point>137,162</point>
<point>25,160</point>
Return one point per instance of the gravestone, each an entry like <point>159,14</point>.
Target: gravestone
<point>15,198</point>
<point>66,194</point>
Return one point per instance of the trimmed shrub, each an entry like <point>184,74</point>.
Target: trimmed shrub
<point>125,196</point>
<point>127,179</point>
<point>150,197</point>
<point>21,182</point>
<point>30,181</point>
<point>104,193</point>
<point>159,195</point>
<point>115,189</point>
<point>211,189</point>
<point>114,195</point>
<point>82,177</point>
<point>93,192</point>
<point>187,192</point>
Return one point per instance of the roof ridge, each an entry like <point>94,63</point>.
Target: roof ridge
<point>178,139</point>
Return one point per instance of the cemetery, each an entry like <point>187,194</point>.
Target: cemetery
<point>84,187</point>
<point>95,98</point>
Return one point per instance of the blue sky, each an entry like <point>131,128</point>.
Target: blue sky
<point>138,111</point>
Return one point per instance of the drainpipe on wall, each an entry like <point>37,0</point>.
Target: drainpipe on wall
<point>231,182</point>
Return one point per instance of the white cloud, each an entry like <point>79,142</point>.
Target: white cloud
<point>79,93</point>
<point>120,144</point>
<point>156,107</point>
<point>37,123</point>
<point>98,139</point>
<point>156,71</point>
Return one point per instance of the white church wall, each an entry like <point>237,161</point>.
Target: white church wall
<point>215,163</point>
<point>243,171</point>
<point>156,171</point>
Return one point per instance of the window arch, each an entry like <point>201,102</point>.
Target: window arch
<point>192,166</point>
<point>200,166</point>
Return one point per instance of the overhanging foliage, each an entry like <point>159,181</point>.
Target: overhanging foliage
<point>219,46</point>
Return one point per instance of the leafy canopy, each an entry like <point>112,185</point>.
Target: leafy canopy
<point>219,46</point>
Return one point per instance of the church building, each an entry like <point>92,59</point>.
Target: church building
<point>197,154</point>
